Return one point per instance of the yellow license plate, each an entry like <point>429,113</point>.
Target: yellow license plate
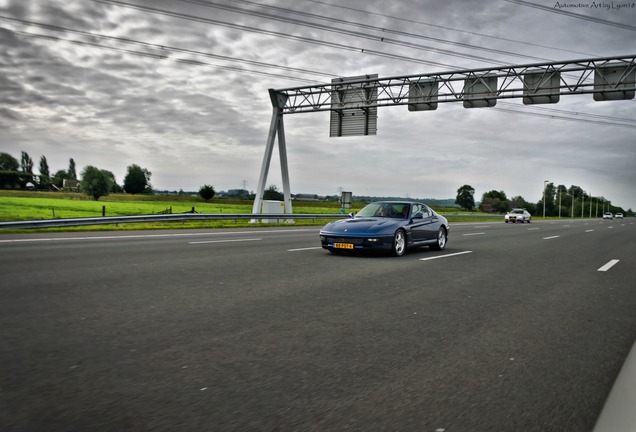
<point>343,245</point>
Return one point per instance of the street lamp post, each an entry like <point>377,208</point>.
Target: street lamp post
<point>583,205</point>
<point>545,182</point>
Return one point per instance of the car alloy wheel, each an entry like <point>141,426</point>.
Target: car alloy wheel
<point>441,240</point>
<point>399,243</point>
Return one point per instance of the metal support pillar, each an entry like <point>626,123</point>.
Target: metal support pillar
<point>276,128</point>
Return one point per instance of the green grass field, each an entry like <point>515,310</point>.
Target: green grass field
<point>25,205</point>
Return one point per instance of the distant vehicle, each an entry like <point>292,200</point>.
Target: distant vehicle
<point>607,215</point>
<point>518,215</point>
<point>618,215</point>
<point>392,226</point>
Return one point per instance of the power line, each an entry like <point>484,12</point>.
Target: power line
<point>161,48</point>
<point>575,119</point>
<point>252,29</point>
<point>380,30</point>
<point>154,56</point>
<point>574,15</point>
<point>447,28</point>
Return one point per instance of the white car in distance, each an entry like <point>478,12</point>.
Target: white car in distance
<point>518,215</point>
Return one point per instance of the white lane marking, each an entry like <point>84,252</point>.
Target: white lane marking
<point>550,238</point>
<point>304,249</point>
<point>445,256</point>
<point>225,241</point>
<point>533,229</point>
<point>472,234</point>
<point>590,230</point>
<point>142,236</point>
<point>609,265</point>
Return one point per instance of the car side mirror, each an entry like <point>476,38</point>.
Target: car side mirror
<point>352,214</point>
<point>418,216</point>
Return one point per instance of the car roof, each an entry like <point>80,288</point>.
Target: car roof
<point>397,202</point>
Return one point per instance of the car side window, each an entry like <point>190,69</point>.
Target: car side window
<point>421,209</point>
<point>417,209</point>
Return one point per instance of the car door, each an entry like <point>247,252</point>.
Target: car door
<point>422,228</point>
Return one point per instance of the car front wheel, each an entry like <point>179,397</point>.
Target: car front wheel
<point>441,240</point>
<point>399,243</point>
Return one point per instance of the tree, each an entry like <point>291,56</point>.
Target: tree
<point>549,193</point>
<point>9,166</point>
<point>207,192</point>
<point>26,169</point>
<point>494,201</point>
<point>466,197</point>
<point>137,180</point>
<point>72,173</point>
<point>45,175</point>
<point>271,193</point>
<point>114,187</point>
<point>95,182</point>
<point>26,163</point>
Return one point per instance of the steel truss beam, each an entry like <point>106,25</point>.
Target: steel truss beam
<point>575,77</point>
<point>535,83</point>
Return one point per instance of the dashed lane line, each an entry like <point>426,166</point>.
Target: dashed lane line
<point>225,241</point>
<point>445,256</point>
<point>609,265</point>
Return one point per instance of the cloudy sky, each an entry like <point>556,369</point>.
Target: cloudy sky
<point>180,87</point>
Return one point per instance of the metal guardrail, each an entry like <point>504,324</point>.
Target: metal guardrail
<point>112,220</point>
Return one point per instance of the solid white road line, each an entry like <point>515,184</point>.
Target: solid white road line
<point>151,236</point>
<point>445,256</point>
<point>609,265</point>
<point>618,413</point>
<point>304,249</point>
<point>472,234</point>
<point>225,241</point>
<point>550,238</point>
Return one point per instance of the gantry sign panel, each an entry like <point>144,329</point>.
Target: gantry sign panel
<point>354,101</point>
<point>615,81</point>
<point>352,112</point>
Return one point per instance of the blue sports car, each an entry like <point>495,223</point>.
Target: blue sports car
<point>387,225</point>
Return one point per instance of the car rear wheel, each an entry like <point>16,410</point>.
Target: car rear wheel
<point>441,240</point>
<point>399,243</point>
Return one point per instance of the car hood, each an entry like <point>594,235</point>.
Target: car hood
<point>362,225</point>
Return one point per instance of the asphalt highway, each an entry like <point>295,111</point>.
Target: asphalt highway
<point>514,327</point>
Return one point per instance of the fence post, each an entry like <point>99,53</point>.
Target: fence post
<point>103,211</point>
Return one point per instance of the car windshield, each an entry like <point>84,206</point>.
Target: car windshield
<point>517,211</point>
<point>392,210</point>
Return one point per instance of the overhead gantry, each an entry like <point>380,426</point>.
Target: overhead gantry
<point>354,101</point>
